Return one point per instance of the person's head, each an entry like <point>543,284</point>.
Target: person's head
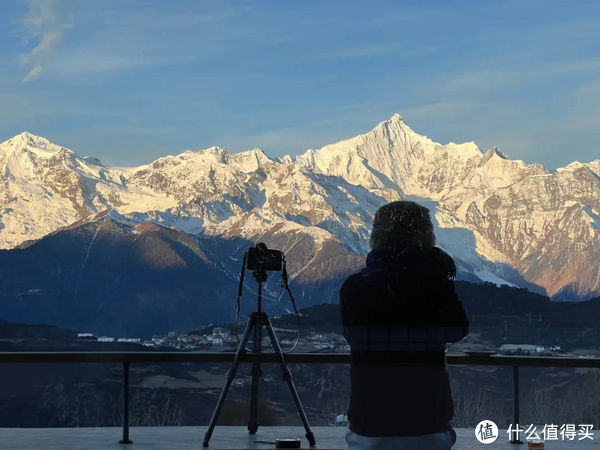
<point>401,225</point>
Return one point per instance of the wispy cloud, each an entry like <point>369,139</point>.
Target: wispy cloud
<point>125,35</point>
<point>506,73</point>
<point>48,24</point>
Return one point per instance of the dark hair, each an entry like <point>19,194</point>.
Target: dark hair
<point>402,224</point>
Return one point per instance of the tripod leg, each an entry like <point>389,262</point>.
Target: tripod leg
<point>287,376</point>
<point>256,373</point>
<point>230,376</point>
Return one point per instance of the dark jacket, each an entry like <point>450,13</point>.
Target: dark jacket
<point>398,313</point>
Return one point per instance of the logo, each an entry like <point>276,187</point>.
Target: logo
<point>486,432</point>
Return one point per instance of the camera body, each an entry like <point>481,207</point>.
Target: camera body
<point>262,258</point>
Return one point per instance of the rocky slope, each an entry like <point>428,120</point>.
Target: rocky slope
<point>120,278</point>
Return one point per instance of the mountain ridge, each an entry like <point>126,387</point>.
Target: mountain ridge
<point>503,220</point>
<point>292,158</point>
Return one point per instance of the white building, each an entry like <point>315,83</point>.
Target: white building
<point>131,340</point>
<point>525,348</point>
<point>85,335</point>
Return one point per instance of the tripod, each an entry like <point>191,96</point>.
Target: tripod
<point>256,322</point>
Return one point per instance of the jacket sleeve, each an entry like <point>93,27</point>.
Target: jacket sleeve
<point>456,323</point>
<point>450,309</point>
<point>346,307</point>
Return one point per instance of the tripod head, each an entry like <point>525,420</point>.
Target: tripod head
<point>259,259</point>
<point>260,276</point>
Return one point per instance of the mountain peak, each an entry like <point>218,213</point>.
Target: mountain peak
<point>254,152</point>
<point>27,139</point>
<point>27,145</point>
<point>28,135</point>
<point>211,154</point>
<point>396,129</point>
<point>250,160</point>
<point>396,121</point>
<point>497,152</point>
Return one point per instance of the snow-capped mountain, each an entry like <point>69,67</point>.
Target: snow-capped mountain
<point>503,221</point>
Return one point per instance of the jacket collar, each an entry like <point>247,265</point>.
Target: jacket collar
<point>389,255</point>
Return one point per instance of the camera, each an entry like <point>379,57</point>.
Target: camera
<point>262,258</point>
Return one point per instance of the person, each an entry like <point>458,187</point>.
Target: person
<point>398,313</point>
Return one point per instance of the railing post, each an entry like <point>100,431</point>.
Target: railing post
<point>515,431</point>
<point>125,414</point>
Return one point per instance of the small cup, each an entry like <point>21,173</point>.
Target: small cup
<point>535,444</point>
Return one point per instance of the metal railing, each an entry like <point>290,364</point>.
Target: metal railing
<point>126,358</point>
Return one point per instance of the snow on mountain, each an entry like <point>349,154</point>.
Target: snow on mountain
<point>501,219</point>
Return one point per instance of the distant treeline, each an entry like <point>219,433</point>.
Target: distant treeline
<point>501,314</point>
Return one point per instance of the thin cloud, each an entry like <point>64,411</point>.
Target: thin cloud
<point>505,74</point>
<point>33,74</point>
<point>120,40</point>
<point>48,24</point>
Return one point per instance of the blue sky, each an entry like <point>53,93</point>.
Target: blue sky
<point>129,81</point>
